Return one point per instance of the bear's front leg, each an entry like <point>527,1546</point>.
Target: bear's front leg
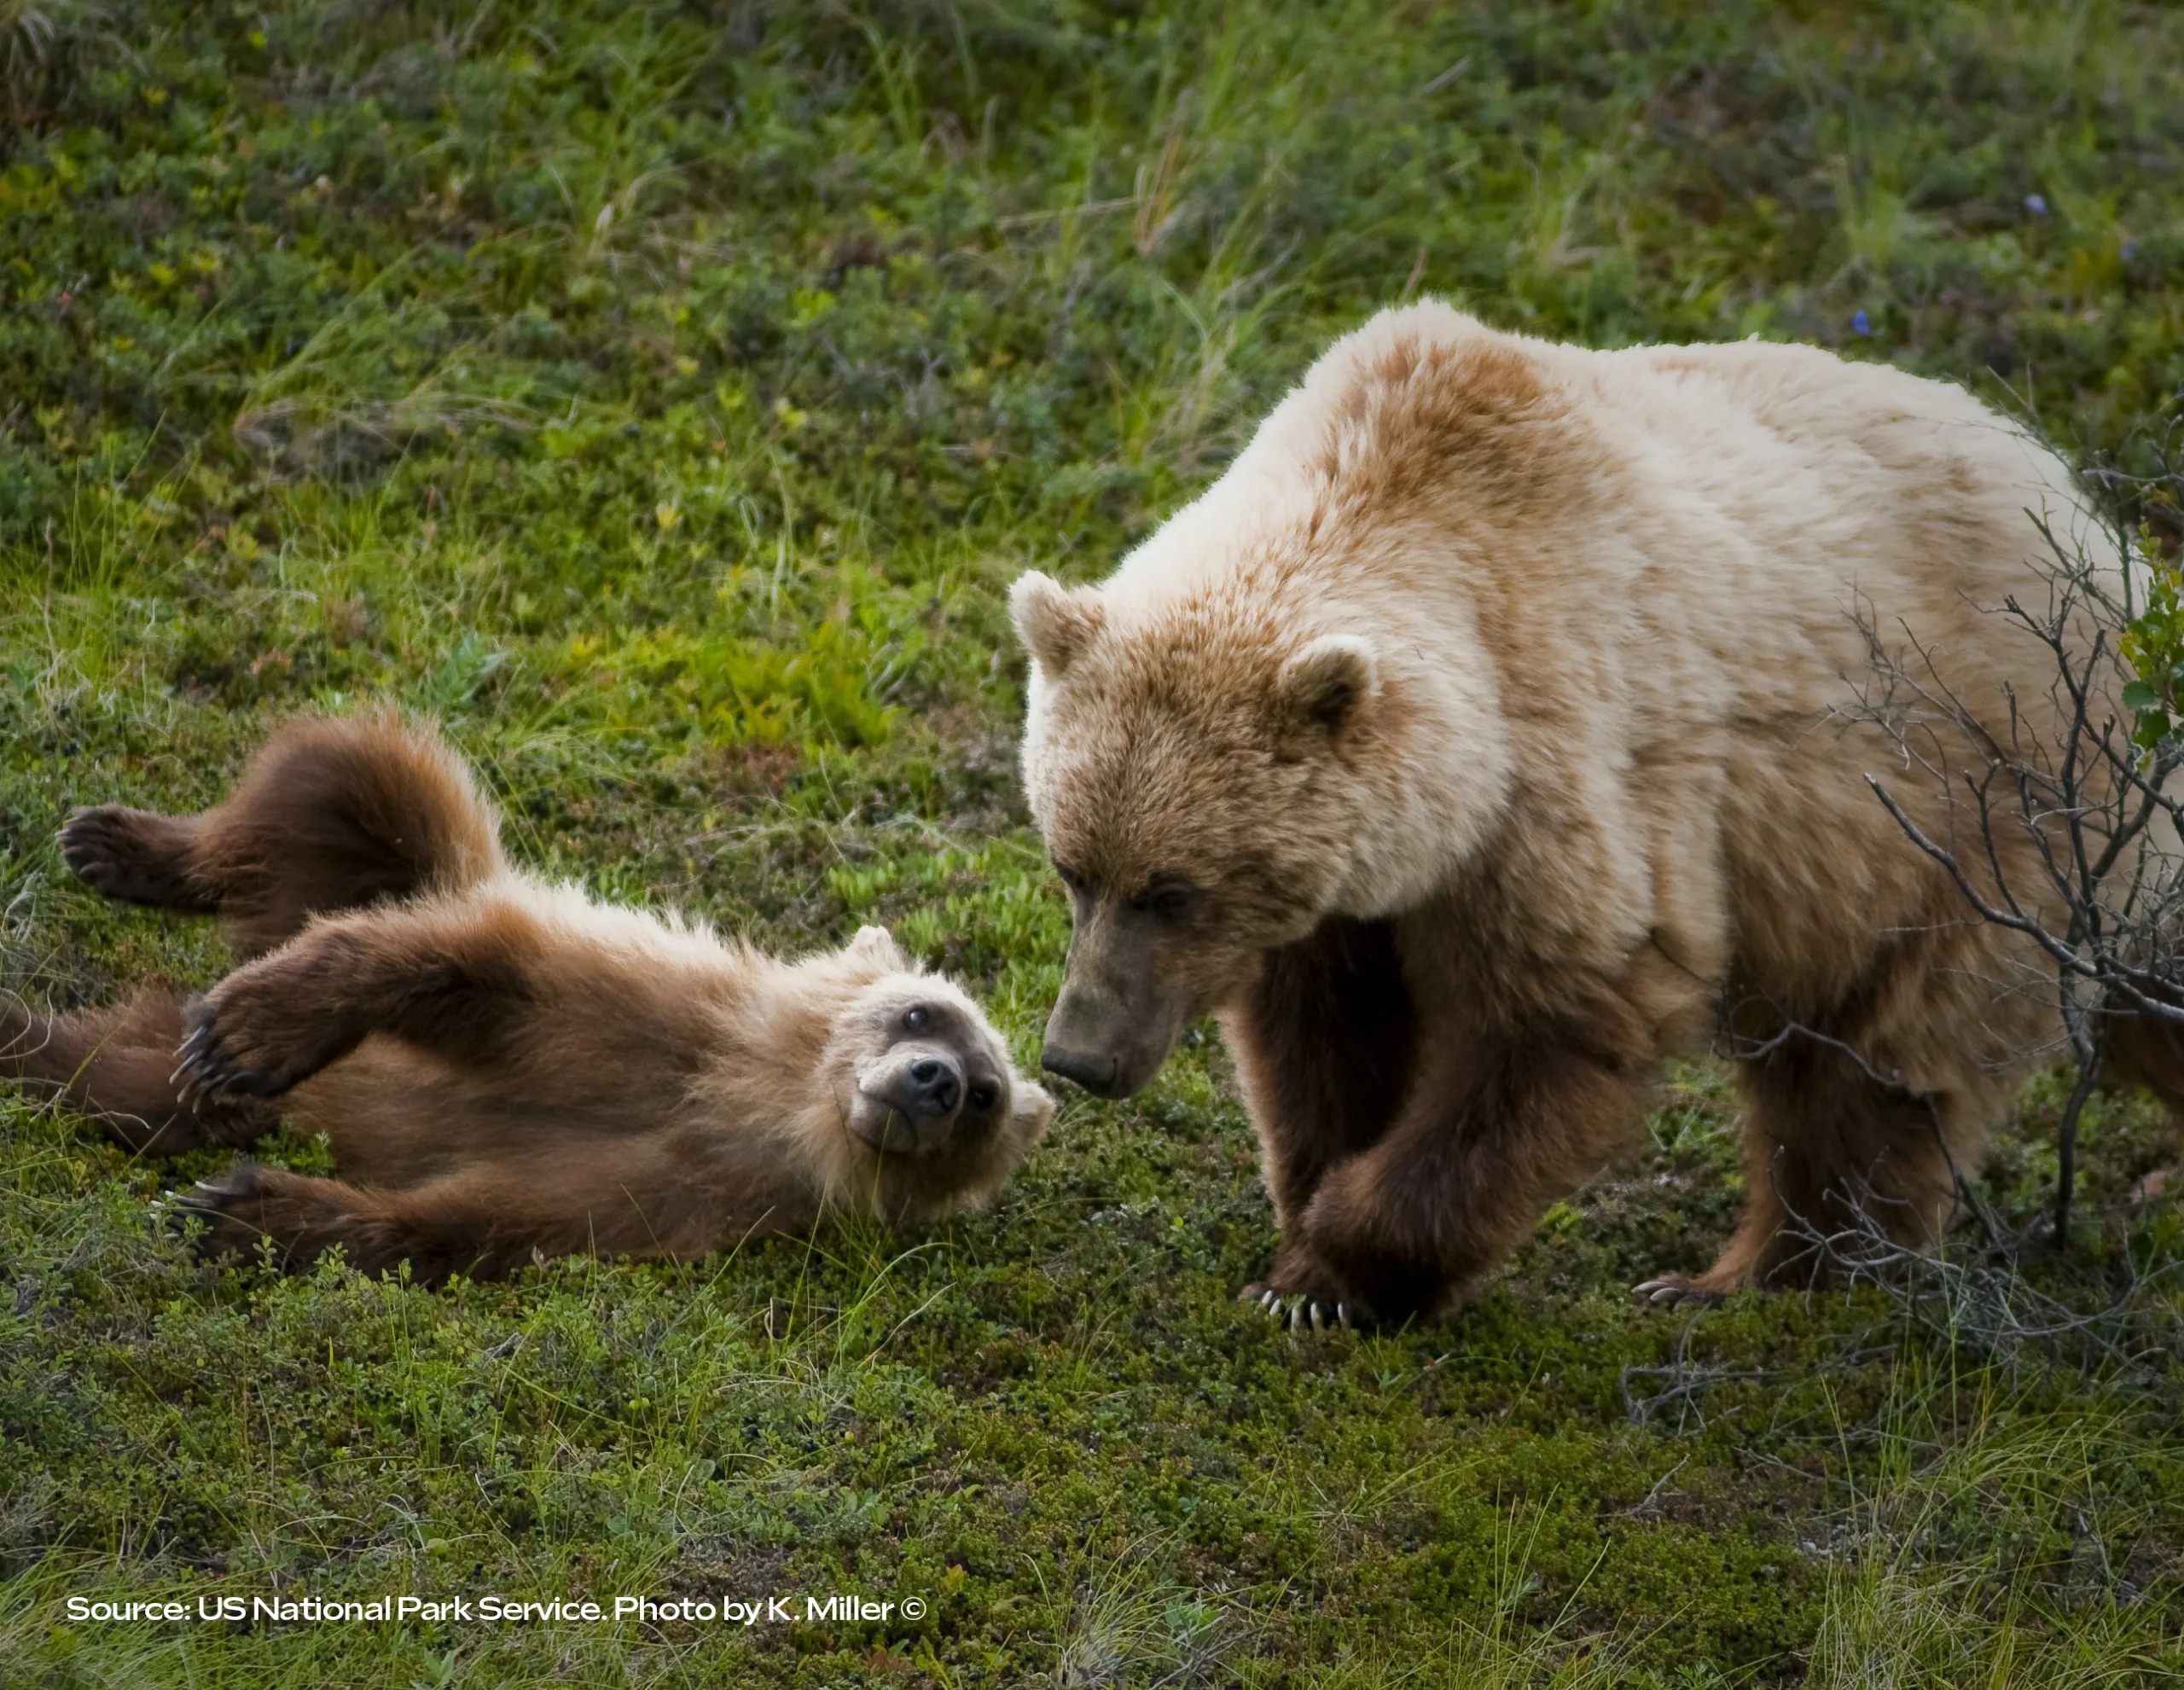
<point>1323,1044</point>
<point>1498,1126</point>
<point>454,977</point>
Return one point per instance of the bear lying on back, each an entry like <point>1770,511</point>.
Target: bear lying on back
<point>505,1068</point>
<point>1489,733</point>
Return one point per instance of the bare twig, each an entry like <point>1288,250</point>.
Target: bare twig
<point>2068,838</point>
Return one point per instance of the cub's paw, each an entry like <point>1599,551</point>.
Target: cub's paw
<point>298,1216</point>
<point>241,1038</point>
<point>1673,1291</point>
<point>132,855</point>
<point>233,1207</point>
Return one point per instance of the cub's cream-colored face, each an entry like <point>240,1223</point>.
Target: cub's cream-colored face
<point>928,1071</point>
<point>929,1098</point>
<point>1190,785</point>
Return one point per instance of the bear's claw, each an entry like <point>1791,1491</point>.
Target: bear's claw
<point>1300,1313</point>
<point>215,1202</point>
<point>208,1072</point>
<point>1673,1293</point>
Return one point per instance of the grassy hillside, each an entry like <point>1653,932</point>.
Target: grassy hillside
<point>664,395</point>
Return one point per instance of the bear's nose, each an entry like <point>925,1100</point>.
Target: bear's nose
<point>1096,1074</point>
<point>934,1089</point>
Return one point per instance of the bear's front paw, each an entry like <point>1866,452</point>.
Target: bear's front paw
<point>1299,1312</point>
<point>1302,1295</point>
<point>243,1037</point>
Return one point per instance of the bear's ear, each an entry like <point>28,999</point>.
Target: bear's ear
<point>1054,623</point>
<point>877,946</point>
<point>1034,1112</point>
<point>1325,688</point>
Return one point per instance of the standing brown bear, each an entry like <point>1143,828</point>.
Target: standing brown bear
<point>1480,741</point>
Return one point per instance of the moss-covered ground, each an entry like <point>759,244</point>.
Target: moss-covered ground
<point>664,395</point>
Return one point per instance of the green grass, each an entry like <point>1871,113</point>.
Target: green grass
<point>664,395</point>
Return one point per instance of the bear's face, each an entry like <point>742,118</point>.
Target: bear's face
<point>1197,784</point>
<point>936,1116</point>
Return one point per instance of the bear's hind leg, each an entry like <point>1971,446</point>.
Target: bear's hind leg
<point>451,1226</point>
<point>331,815</point>
<point>483,1220</point>
<point>140,856</point>
<point>1833,1151</point>
<point>117,1065</point>
<point>2144,1050</point>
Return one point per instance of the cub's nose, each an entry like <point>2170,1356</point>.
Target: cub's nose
<point>934,1090</point>
<point>1096,1074</point>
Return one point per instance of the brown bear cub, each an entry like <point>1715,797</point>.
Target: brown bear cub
<point>506,1069</point>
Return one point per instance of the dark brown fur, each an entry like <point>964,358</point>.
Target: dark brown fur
<point>1325,1040</point>
<point>1412,1137</point>
<point>1500,1124</point>
<point>1829,1142</point>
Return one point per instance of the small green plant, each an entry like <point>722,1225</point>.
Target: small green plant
<point>2152,643</point>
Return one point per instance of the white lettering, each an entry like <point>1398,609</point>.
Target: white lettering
<point>83,1607</point>
<point>497,1608</point>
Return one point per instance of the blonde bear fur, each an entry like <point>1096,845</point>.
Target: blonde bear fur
<point>504,1068</point>
<point>1484,736</point>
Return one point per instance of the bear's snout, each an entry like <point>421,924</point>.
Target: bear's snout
<point>929,1088</point>
<point>1109,1043</point>
<point>1096,1074</point>
<point>909,1104</point>
<point>923,1087</point>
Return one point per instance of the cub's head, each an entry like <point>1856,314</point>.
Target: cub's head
<point>1212,783</point>
<point>934,1116</point>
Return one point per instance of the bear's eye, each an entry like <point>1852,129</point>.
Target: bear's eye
<point>916,1018</point>
<point>1070,877</point>
<point>983,1095</point>
<point>1170,900</point>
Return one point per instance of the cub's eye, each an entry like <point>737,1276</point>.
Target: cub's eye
<point>985,1095</point>
<point>916,1018</point>
<point>1070,878</point>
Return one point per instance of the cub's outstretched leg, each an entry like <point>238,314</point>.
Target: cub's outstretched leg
<point>647,1199</point>
<point>117,1064</point>
<point>331,815</point>
<point>459,977</point>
